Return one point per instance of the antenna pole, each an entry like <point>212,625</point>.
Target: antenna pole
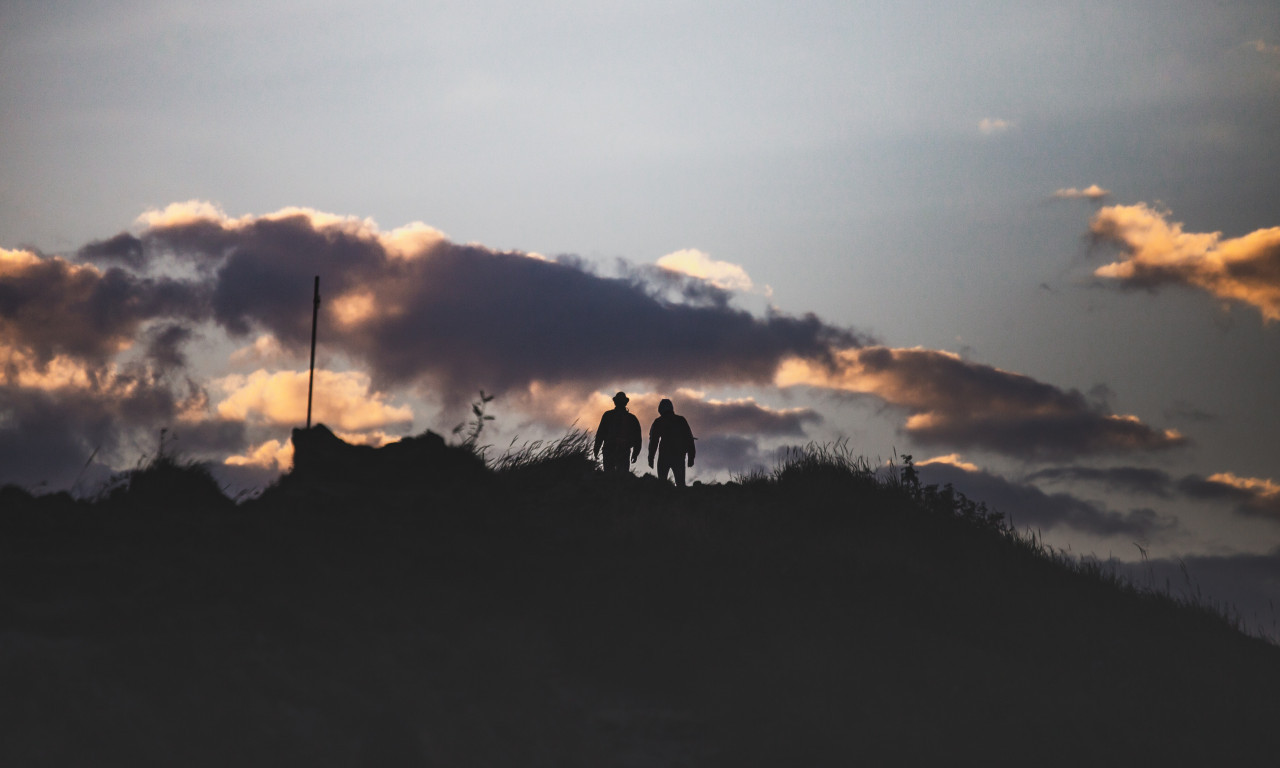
<point>315,313</point>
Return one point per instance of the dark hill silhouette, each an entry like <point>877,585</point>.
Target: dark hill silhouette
<point>386,607</point>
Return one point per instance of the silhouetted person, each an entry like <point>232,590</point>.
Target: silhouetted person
<point>671,438</point>
<point>619,433</point>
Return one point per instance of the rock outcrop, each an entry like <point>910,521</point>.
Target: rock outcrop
<point>319,455</point>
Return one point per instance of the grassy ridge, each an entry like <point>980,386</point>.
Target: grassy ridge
<point>545,614</point>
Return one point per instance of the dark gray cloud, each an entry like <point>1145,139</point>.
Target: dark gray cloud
<point>1153,482</point>
<point>1251,496</point>
<point>734,453</point>
<point>744,417</point>
<point>49,437</point>
<point>1029,507</point>
<point>465,317</point>
<point>51,307</point>
<point>124,247</point>
<point>959,403</point>
<point>1184,411</point>
<point>164,345</point>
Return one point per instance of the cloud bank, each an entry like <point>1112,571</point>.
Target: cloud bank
<point>417,314</point>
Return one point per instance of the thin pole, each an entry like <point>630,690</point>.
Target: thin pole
<point>315,313</point>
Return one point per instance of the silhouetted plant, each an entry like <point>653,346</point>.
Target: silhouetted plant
<point>478,418</point>
<point>165,478</point>
<point>568,454</point>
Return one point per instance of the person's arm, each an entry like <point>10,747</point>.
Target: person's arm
<point>654,436</point>
<point>693,446</point>
<point>637,439</point>
<point>600,434</point>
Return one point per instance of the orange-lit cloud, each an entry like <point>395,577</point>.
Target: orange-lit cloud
<point>277,455</point>
<point>951,459</point>
<point>1159,252</point>
<point>722,274</point>
<point>1091,192</point>
<point>1252,495</point>
<point>1261,46</point>
<point>990,126</point>
<point>18,368</point>
<point>15,261</point>
<point>272,455</point>
<point>355,307</point>
<point>955,402</point>
<point>1260,487</point>
<point>264,349</point>
<point>342,400</point>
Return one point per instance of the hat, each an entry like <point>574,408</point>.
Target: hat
<point>620,398</point>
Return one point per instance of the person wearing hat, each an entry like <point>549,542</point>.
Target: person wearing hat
<point>619,433</point>
<point>672,440</point>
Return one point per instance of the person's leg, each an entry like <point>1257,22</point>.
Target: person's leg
<point>674,467</point>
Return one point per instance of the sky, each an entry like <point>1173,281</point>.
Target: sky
<point>1034,245</point>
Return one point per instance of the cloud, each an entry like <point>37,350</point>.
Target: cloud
<point>414,311</point>
<point>1153,482</point>
<point>1027,506</point>
<point>1184,411</point>
<point>273,455</point>
<point>1261,47</point>
<point>51,307</point>
<point>264,349</point>
<point>342,400</point>
<point>707,417</point>
<point>124,248</point>
<point>954,402</point>
<point>722,274</point>
<point>952,459</point>
<point>460,317</point>
<point>61,421</point>
<point>1253,495</point>
<point>1091,192</point>
<point>733,453</point>
<point>408,307</point>
<point>164,345</point>
<point>990,126</point>
<point>1158,252</point>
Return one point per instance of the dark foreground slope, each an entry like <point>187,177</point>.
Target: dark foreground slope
<point>549,616</point>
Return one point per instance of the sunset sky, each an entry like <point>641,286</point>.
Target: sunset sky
<point>1036,245</point>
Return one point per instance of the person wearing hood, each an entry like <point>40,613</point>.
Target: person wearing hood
<point>619,435</point>
<point>672,440</point>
